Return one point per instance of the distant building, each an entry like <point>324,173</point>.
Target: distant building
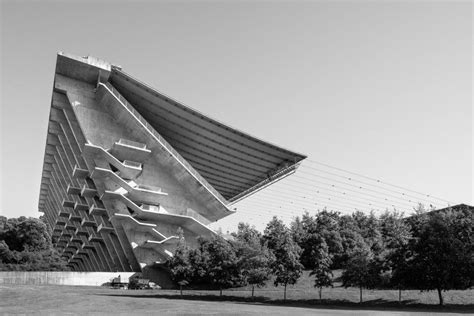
<point>455,208</point>
<point>125,166</point>
<point>466,209</point>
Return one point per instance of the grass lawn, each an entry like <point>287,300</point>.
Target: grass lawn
<point>302,300</point>
<point>305,291</point>
<point>61,300</point>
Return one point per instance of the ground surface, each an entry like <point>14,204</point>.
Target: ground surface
<point>61,300</point>
<point>304,290</point>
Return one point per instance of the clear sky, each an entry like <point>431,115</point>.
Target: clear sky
<point>380,88</point>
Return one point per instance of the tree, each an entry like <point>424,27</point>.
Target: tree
<point>396,235</point>
<point>305,234</point>
<point>418,220</point>
<point>45,260</point>
<point>222,263</point>
<point>394,230</point>
<point>255,257</point>
<point>328,227</point>
<point>322,268</point>
<point>350,239</point>
<point>257,268</point>
<point>199,264</point>
<point>25,244</point>
<point>398,261</point>
<point>286,267</point>
<point>247,234</point>
<point>369,229</point>
<point>180,266</point>
<point>443,252</point>
<point>362,269</point>
<point>29,234</point>
<point>297,229</point>
<point>6,254</point>
<point>310,232</point>
<point>3,223</point>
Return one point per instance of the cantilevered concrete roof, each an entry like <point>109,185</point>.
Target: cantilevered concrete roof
<point>233,162</point>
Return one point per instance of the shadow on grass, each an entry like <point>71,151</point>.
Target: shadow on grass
<point>377,304</point>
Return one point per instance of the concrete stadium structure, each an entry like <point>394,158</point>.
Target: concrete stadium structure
<point>126,166</point>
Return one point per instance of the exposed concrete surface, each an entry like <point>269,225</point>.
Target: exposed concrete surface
<point>59,277</point>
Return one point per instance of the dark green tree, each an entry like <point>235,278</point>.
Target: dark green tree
<point>247,234</point>
<point>350,239</point>
<point>223,269</point>
<point>6,255</point>
<point>25,234</point>
<point>396,236</point>
<point>179,265</point>
<point>306,235</point>
<point>369,229</point>
<point>25,244</point>
<point>286,267</point>
<point>310,231</point>
<point>443,252</point>
<point>199,261</point>
<point>322,268</point>
<point>297,229</point>
<point>256,268</point>
<point>362,269</point>
<point>255,258</point>
<point>328,226</point>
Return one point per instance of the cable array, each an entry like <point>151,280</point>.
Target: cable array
<point>316,186</point>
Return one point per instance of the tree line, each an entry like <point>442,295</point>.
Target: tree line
<point>427,251</point>
<point>25,245</point>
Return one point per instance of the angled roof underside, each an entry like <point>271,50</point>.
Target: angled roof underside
<point>234,163</point>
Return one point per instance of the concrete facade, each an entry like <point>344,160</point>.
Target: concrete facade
<point>125,167</point>
<point>60,277</point>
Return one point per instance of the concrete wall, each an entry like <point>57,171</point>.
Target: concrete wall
<point>60,277</point>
